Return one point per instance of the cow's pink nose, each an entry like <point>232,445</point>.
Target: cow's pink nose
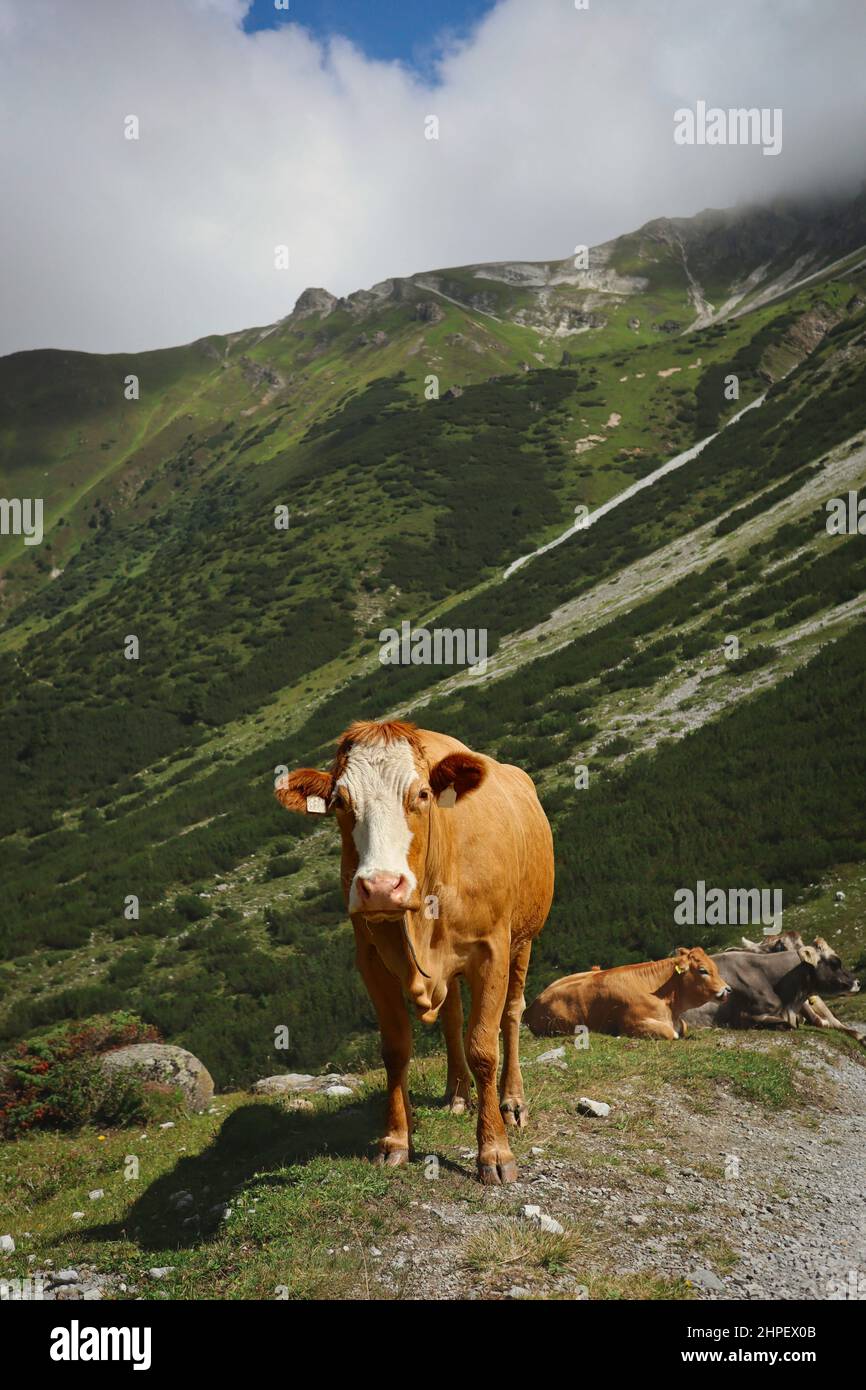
<point>383,888</point>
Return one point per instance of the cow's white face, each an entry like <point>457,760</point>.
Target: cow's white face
<point>383,795</point>
<point>377,783</point>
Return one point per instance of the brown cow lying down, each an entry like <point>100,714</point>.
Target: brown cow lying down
<point>447,871</point>
<point>639,1001</point>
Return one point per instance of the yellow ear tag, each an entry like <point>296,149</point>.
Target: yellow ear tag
<point>316,806</point>
<point>680,969</point>
<point>447,798</point>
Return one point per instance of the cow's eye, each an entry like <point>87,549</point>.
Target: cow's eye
<point>703,970</point>
<point>423,795</point>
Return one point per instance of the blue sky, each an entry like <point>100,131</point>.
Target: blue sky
<point>408,30</point>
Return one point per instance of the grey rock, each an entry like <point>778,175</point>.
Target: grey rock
<point>314,301</point>
<point>598,1108</point>
<point>705,1279</point>
<point>165,1065</point>
<point>541,1218</point>
<point>428,311</point>
<point>294,1083</point>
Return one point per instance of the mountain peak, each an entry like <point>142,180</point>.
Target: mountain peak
<point>314,301</point>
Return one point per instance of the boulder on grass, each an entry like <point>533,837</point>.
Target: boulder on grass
<point>294,1083</point>
<point>165,1065</point>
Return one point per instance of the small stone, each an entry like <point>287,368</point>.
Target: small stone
<point>78,1216</point>
<point>541,1218</point>
<point>636,1219</point>
<point>7,1244</point>
<point>91,1295</point>
<point>65,1276</point>
<point>599,1108</point>
<point>180,1201</point>
<point>554,1055</point>
<point>705,1279</point>
<point>96,1194</point>
<point>338,1091</point>
<point>169,1124</point>
<point>160,1271</point>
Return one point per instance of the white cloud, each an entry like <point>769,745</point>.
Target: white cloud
<point>556,128</point>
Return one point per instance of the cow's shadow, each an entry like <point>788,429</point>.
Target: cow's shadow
<point>252,1148</point>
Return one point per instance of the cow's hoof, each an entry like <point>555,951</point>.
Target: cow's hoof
<point>515,1113</point>
<point>492,1174</point>
<point>457,1105</point>
<point>392,1158</point>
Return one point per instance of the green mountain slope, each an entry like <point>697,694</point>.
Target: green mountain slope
<point>408,500</point>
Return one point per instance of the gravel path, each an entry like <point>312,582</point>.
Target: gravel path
<point>743,1202</point>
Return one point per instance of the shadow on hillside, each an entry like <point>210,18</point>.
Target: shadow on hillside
<point>257,1138</point>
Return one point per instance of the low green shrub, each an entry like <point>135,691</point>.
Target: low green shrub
<point>56,1081</point>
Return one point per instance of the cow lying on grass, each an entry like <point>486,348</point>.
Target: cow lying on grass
<point>774,988</point>
<point>447,871</point>
<point>639,1001</point>
<point>813,1010</point>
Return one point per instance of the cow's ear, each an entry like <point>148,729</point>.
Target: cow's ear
<point>456,775</point>
<point>808,955</point>
<point>306,790</point>
<point>682,960</point>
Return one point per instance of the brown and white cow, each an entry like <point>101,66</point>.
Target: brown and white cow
<point>638,1001</point>
<point>447,872</point>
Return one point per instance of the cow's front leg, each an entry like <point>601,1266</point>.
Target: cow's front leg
<point>396,1031</point>
<point>488,981</point>
<point>458,1087</point>
<point>818,1013</point>
<point>512,1101</point>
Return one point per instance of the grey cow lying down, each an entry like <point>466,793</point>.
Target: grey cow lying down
<point>813,1010</point>
<point>777,985</point>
